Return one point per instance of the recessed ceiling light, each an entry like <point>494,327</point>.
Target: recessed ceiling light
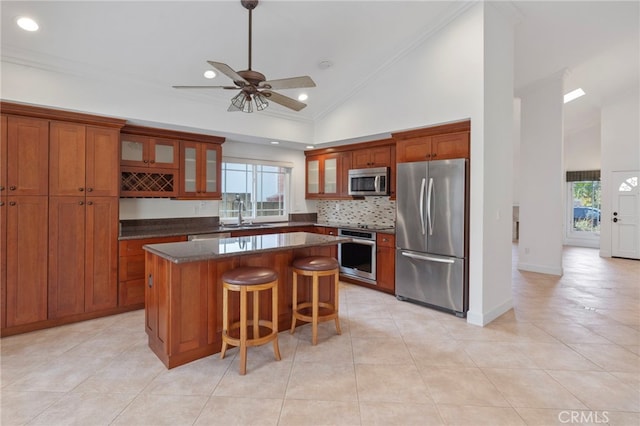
<point>303,97</point>
<point>274,142</point>
<point>209,74</point>
<point>310,147</point>
<point>27,24</point>
<point>575,94</point>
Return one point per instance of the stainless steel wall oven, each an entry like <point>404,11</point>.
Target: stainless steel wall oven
<point>358,257</point>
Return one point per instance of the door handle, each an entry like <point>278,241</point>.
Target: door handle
<point>429,258</point>
<point>429,194</point>
<point>424,181</point>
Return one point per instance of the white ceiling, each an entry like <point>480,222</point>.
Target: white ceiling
<point>167,43</point>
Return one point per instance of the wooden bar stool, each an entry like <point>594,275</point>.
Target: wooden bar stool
<point>249,279</point>
<point>315,267</point>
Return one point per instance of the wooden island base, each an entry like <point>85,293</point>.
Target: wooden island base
<point>183,314</point>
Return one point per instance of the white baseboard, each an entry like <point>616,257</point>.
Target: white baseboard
<point>482,319</point>
<point>540,269</point>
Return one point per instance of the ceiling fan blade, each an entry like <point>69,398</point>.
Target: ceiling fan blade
<point>288,83</point>
<point>205,87</point>
<point>228,71</point>
<point>283,100</point>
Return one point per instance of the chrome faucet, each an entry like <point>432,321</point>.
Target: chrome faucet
<point>240,208</point>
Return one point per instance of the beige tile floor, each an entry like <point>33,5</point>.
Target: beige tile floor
<point>568,353</point>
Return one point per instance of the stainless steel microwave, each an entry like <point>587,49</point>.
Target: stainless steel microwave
<point>374,181</point>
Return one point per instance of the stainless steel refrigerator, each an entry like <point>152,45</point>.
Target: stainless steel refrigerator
<point>430,234</point>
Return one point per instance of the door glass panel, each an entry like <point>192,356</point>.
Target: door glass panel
<point>331,175</point>
<point>586,206</point>
<point>313,176</point>
<point>190,169</point>
<point>212,185</point>
<point>164,153</point>
<point>131,151</point>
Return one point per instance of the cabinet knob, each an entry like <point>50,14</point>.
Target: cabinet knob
<point>1,203</point>
<point>89,203</point>
<point>81,189</point>
<point>1,187</point>
<point>89,189</point>
<point>434,155</point>
<point>12,203</point>
<point>152,162</point>
<point>12,188</point>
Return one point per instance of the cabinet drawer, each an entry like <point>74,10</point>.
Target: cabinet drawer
<point>134,247</point>
<point>131,292</point>
<point>131,267</point>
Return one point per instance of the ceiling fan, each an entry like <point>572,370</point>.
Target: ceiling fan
<point>253,85</point>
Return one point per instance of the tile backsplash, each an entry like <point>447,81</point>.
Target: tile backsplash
<point>379,211</point>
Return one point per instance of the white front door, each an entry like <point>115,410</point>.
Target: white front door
<point>625,226</point>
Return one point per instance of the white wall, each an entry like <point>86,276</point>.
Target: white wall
<point>491,296</point>
<point>620,133</point>
<point>582,149</point>
<point>541,177</point>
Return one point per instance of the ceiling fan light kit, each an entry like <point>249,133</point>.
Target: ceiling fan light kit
<point>253,85</point>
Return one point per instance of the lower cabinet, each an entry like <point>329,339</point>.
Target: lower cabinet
<point>386,262</point>
<point>83,261</point>
<point>131,280</point>
<point>26,260</point>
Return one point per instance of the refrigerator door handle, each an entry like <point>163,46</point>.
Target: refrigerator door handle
<point>424,181</point>
<point>429,194</point>
<point>429,258</point>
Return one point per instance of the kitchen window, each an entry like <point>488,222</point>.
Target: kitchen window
<point>263,188</point>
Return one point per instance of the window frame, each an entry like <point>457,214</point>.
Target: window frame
<point>251,215</point>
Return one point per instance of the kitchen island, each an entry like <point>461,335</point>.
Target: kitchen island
<point>183,291</point>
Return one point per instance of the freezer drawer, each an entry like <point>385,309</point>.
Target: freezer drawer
<point>437,281</point>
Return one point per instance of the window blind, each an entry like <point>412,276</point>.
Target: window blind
<point>583,175</point>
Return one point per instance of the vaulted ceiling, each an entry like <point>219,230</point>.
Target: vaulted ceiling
<point>340,44</point>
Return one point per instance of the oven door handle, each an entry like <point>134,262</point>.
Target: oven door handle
<point>363,242</point>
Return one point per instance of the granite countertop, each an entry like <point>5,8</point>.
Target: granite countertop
<point>216,248</point>
<point>137,229</point>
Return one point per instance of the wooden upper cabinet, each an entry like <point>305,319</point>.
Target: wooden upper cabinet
<point>451,145</point>
<point>67,153</point>
<point>147,151</point>
<point>83,160</point>
<point>201,170</point>
<point>326,175</point>
<point>27,156</point>
<point>102,162</point>
<point>434,143</point>
<point>371,157</point>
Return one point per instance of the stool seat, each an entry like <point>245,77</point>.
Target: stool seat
<point>315,267</point>
<point>315,263</point>
<point>249,280</point>
<point>249,275</point>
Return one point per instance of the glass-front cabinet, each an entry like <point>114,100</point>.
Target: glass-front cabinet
<point>324,176</point>
<point>144,151</point>
<point>200,170</point>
